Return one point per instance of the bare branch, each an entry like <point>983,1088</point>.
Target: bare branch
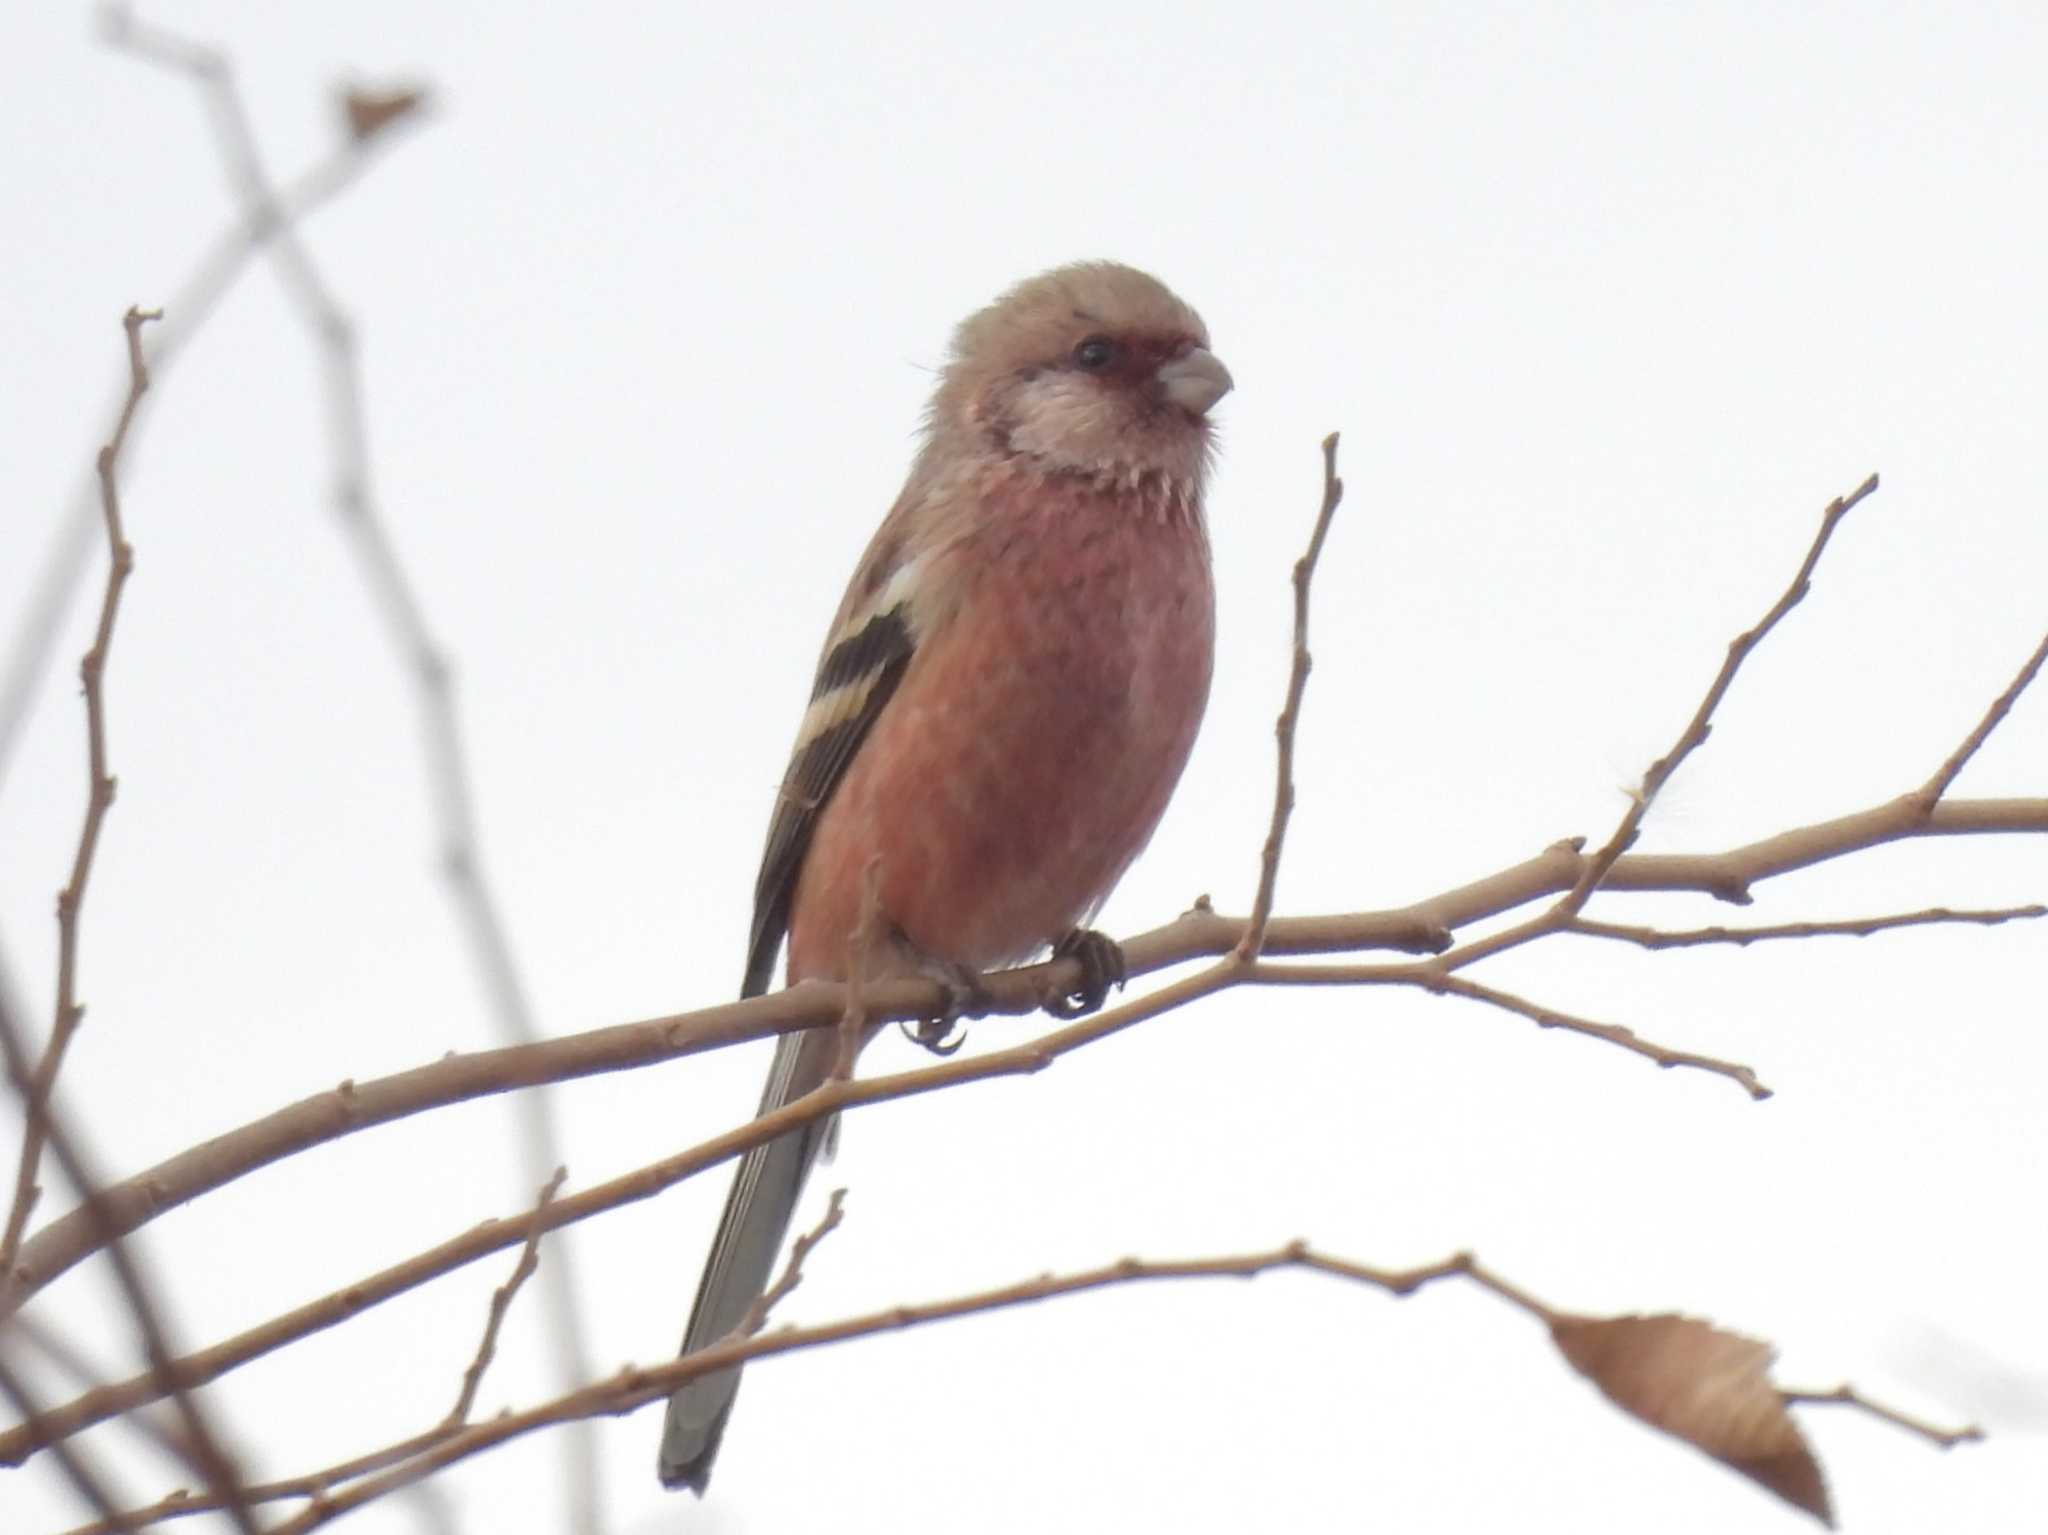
<point>1612,1033</point>
<point>634,1388</point>
<point>1253,941</point>
<point>426,661</point>
<point>407,1463</point>
<point>1695,733</point>
<point>201,1448</point>
<point>491,1236</point>
<point>793,1272</point>
<point>2001,706</point>
<point>192,304</point>
<point>1848,1396</point>
<point>76,1468</point>
<point>99,795</point>
<point>1425,928</point>
<point>1200,933</point>
<point>1847,927</point>
<point>68,1359</point>
<point>183,1503</point>
<point>1431,978</point>
<point>501,1302</point>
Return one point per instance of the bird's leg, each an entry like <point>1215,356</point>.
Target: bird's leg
<point>967,996</point>
<point>1102,966</point>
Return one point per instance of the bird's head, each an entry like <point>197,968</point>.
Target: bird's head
<point>1093,369</point>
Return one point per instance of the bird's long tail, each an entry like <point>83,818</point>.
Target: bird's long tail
<point>750,1237</point>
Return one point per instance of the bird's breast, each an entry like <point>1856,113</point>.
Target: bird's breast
<point>1035,739</point>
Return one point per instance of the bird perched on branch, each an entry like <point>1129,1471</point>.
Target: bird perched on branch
<point>1002,708</point>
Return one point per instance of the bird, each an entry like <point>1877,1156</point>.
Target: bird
<point>1001,710</point>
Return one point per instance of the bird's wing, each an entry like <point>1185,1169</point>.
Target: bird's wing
<point>864,659</point>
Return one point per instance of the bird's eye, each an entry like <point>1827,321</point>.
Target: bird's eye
<point>1096,353</point>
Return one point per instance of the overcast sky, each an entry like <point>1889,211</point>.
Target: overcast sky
<point>1607,307</point>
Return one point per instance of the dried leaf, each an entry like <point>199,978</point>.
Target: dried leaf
<point>1705,1386</point>
<point>369,112</point>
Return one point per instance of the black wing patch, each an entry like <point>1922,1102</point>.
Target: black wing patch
<point>863,670</point>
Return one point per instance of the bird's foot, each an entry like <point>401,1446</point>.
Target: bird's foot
<point>967,996</point>
<point>1102,966</point>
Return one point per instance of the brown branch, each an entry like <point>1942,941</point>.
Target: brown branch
<point>618,1394</point>
<point>193,303</point>
<point>183,1502</point>
<point>408,1461</point>
<point>36,1084</point>
<point>1418,928</point>
<point>1428,977</point>
<point>69,1360</point>
<point>201,1448</point>
<point>1910,814</point>
<point>2001,706</point>
<point>1848,1396</point>
<point>1847,927</point>
<point>644,1183</point>
<point>1423,928</point>
<point>1253,941</point>
<point>501,1302</point>
<point>792,1272</point>
<point>76,1468</point>
<point>99,796</point>
<point>1701,724</point>
<point>425,660</point>
<point>634,1388</point>
<point>1612,1033</point>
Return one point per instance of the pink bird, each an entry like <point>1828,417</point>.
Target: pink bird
<point>1003,706</point>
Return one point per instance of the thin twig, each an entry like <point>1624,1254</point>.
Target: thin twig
<point>1253,942</point>
<point>1847,927</point>
<point>1431,979</point>
<point>36,1084</point>
<point>634,1388</point>
<point>70,1360</point>
<point>491,1236</point>
<point>425,659</point>
<point>99,795</point>
<point>1424,927</point>
<point>327,1116</point>
<point>201,1448</point>
<point>501,1302</point>
<point>793,1271</point>
<point>2001,706</point>
<point>1612,1033</point>
<point>317,1484</point>
<point>1696,731</point>
<point>1848,1396</point>
<point>76,1468</point>
<point>183,1503</point>
<point>192,304</point>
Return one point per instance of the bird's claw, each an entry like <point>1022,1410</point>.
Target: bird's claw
<point>966,996</point>
<point>1102,966</point>
<point>935,1034</point>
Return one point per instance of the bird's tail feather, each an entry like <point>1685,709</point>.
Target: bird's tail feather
<point>750,1237</point>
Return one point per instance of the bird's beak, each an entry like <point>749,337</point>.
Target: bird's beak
<point>1195,380</point>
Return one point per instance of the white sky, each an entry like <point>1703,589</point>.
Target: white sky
<point>1607,309</point>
